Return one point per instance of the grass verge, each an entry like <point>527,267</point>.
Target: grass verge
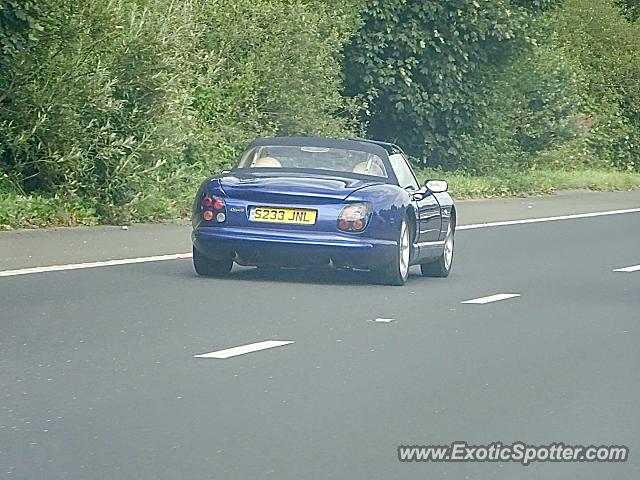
<point>35,211</point>
<point>509,184</point>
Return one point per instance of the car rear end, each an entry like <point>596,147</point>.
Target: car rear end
<point>285,225</point>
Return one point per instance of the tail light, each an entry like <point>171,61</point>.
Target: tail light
<point>213,209</point>
<point>354,217</point>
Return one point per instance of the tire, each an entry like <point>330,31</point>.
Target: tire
<point>207,267</point>
<point>442,266</point>
<point>397,272</point>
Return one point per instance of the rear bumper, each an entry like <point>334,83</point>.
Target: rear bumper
<point>250,246</point>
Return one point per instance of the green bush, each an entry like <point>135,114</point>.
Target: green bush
<point>28,211</point>
<point>630,9</point>
<point>96,106</point>
<point>607,47</point>
<point>419,67</point>
<point>113,110</point>
<point>499,85</point>
<point>128,103</point>
<point>19,27</point>
<point>533,107</point>
<point>266,68</point>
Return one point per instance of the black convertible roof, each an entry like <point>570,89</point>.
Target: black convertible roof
<point>391,148</point>
<point>354,144</point>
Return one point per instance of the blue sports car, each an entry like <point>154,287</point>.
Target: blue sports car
<point>297,201</point>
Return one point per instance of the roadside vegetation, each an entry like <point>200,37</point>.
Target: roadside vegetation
<point>508,184</point>
<point>112,111</point>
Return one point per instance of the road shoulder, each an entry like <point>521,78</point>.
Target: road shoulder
<point>32,248</point>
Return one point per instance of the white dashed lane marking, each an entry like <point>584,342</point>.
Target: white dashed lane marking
<point>633,268</point>
<point>492,298</point>
<point>242,349</point>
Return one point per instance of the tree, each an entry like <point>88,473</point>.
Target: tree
<point>418,67</point>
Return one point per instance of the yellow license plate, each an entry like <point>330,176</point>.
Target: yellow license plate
<point>283,215</point>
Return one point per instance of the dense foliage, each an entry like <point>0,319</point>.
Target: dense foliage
<point>417,65</point>
<point>18,26</point>
<point>607,48</point>
<point>483,85</point>
<point>121,106</point>
<point>129,103</point>
<point>630,8</point>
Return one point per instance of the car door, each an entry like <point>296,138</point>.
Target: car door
<point>427,207</point>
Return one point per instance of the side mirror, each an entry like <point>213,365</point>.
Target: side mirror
<point>436,186</point>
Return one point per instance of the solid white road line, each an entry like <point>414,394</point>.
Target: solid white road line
<point>548,219</point>
<point>492,298</point>
<point>633,268</point>
<point>106,263</point>
<point>158,258</point>
<point>241,350</point>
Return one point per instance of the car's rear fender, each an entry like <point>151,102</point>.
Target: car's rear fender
<point>390,204</point>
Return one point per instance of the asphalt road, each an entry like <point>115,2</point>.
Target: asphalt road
<point>33,248</point>
<point>98,378</point>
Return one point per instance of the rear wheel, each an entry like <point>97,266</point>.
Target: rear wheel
<point>207,267</point>
<point>442,266</point>
<point>397,272</point>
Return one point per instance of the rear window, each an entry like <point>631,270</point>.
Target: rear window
<point>318,158</point>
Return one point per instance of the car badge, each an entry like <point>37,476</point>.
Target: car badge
<point>237,209</point>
